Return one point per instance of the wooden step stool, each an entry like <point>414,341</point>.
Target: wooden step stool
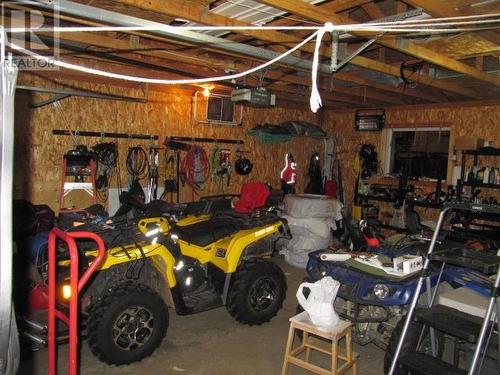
<point>303,323</point>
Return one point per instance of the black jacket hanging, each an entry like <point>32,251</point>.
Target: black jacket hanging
<point>315,185</point>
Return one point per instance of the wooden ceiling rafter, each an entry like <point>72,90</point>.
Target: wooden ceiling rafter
<point>437,9</point>
<point>199,15</point>
<point>214,63</point>
<point>344,96</point>
<point>406,46</point>
<point>367,84</point>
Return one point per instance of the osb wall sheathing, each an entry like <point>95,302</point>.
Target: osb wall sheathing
<point>463,120</point>
<point>168,113</point>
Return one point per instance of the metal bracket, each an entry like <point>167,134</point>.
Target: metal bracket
<point>365,45</point>
<point>400,16</point>
<point>335,65</point>
<point>335,50</point>
<point>54,99</point>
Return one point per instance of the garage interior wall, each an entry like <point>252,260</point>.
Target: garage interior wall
<point>463,119</point>
<point>39,153</point>
<point>169,113</point>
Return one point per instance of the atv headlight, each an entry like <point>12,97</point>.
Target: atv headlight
<point>381,291</point>
<point>66,291</point>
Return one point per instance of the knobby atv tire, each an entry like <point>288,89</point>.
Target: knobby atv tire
<point>106,312</point>
<point>409,344</point>
<point>248,275</point>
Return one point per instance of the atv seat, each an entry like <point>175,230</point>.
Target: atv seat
<point>204,233</point>
<point>254,195</point>
<point>250,220</point>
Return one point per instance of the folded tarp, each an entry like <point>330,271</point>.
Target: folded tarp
<point>269,133</point>
<point>312,206</point>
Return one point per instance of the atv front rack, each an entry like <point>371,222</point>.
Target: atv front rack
<point>76,285</point>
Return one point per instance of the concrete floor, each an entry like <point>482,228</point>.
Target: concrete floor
<point>212,343</point>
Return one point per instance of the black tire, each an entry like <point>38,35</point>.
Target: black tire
<point>410,344</point>
<point>245,302</point>
<point>114,311</point>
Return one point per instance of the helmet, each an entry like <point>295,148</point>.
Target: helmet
<point>243,166</point>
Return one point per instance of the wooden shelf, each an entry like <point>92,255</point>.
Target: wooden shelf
<point>483,152</point>
<point>361,197</point>
<point>479,185</point>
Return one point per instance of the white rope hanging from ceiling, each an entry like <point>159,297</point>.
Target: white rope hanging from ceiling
<point>415,26</point>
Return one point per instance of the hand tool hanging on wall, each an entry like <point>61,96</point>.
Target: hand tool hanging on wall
<point>171,174</point>
<point>137,167</point>
<point>176,146</point>
<point>107,157</point>
<point>195,169</point>
<point>153,175</point>
<point>221,167</point>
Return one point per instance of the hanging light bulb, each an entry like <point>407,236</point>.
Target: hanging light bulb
<point>206,92</point>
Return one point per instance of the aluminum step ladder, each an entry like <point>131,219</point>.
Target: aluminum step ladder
<point>419,363</point>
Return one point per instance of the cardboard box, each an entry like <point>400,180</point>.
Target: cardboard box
<point>408,263</point>
<point>468,143</point>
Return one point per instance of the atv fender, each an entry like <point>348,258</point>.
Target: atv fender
<point>244,239</point>
<point>163,260</point>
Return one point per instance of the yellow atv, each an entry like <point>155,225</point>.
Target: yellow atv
<point>191,265</point>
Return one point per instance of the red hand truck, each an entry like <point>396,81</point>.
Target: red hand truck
<point>76,286</point>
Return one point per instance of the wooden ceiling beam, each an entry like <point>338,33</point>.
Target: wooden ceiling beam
<point>335,96</point>
<point>314,13</point>
<point>194,64</point>
<point>443,9</point>
<point>281,93</point>
<point>338,6</point>
<point>336,89</point>
<point>420,77</point>
<point>204,61</point>
<point>178,8</point>
<point>400,90</point>
<point>373,11</point>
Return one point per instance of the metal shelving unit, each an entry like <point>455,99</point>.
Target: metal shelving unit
<point>485,151</point>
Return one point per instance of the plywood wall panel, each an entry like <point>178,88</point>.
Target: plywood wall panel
<point>469,121</point>
<point>167,113</point>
